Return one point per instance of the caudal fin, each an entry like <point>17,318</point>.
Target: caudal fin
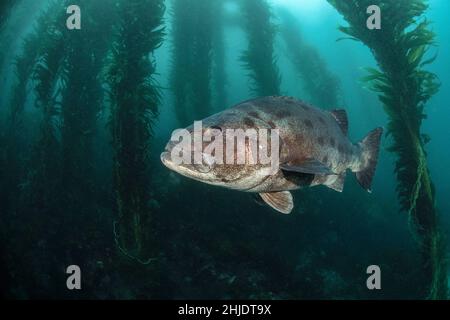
<point>370,148</point>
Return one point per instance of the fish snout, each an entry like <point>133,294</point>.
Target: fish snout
<point>166,155</point>
<point>166,159</point>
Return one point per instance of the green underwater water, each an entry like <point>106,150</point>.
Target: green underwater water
<point>85,114</point>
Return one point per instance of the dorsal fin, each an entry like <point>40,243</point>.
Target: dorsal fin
<point>342,120</point>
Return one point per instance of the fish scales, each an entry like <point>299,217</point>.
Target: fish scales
<point>314,149</point>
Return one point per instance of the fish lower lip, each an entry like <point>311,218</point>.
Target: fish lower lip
<point>164,157</point>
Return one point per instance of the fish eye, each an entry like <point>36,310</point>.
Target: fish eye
<point>216,127</point>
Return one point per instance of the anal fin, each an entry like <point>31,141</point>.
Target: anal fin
<point>338,184</point>
<point>281,201</point>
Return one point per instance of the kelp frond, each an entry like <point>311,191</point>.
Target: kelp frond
<point>182,33</point>
<point>134,97</point>
<point>219,56</point>
<point>81,95</point>
<point>318,82</point>
<point>46,77</point>
<point>194,28</point>
<point>404,87</point>
<point>5,9</point>
<point>259,59</point>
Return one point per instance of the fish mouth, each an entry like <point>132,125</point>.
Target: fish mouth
<point>166,159</point>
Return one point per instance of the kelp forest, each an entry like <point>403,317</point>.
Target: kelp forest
<point>85,115</point>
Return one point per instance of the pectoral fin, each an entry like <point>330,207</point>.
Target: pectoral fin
<point>311,166</point>
<point>281,201</point>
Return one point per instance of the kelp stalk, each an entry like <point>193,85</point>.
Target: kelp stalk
<point>318,82</point>
<point>5,9</point>
<point>134,98</point>
<point>81,100</point>
<point>11,156</point>
<point>259,58</point>
<point>193,29</point>
<point>46,158</point>
<point>404,87</point>
<point>219,57</point>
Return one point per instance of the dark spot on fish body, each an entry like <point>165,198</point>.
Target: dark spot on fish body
<point>254,114</point>
<point>249,122</point>
<point>299,136</point>
<point>216,128</point>
<point>321,120</point>
<point>271,124</point>
<point>321,141</point>
<point>292,147</point>
<point>308,123</point>
<point>332,142</point>
<point>280,114</point>
<point>325,160</point>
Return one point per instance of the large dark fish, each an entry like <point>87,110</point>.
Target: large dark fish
<point>314,150</point>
